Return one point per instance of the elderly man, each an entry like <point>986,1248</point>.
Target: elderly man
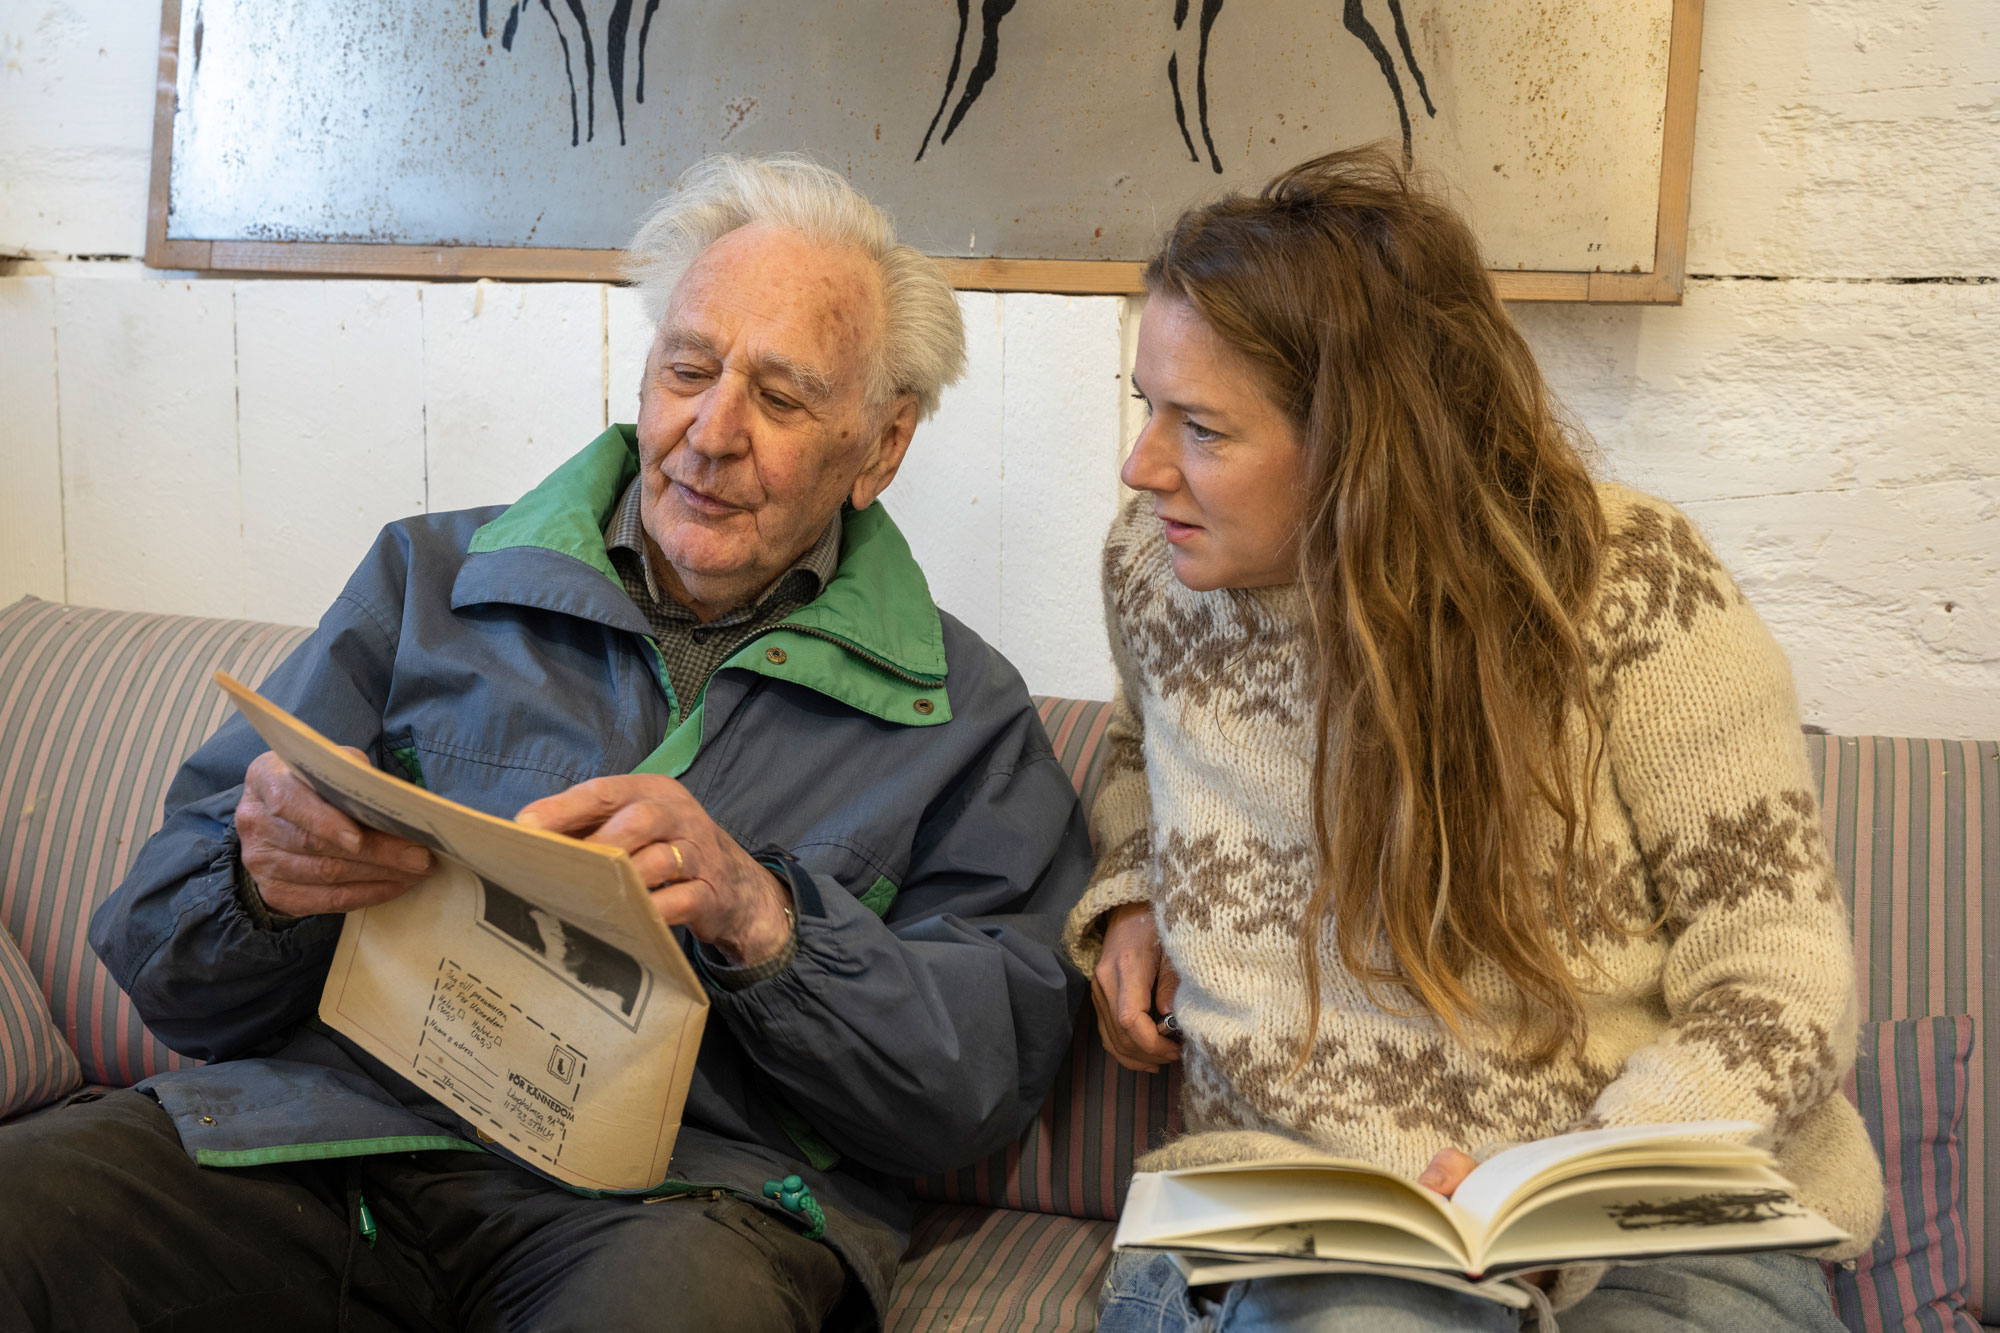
<point>702,642</point>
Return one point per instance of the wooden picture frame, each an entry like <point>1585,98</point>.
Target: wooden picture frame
<point>1662,285</point>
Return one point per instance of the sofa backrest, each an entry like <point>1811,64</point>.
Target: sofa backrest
<point>1914,826</point>
<point>97,710</point>
<point>1076,1156</point>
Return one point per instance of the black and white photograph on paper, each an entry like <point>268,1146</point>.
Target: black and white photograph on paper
<point>606,974</point>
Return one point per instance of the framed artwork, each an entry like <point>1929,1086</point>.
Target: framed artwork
<point>1033,145</point>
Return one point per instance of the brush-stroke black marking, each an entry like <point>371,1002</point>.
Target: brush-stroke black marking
<point>990,14</point>
<point>1410,57</point>
<point>513,23</point>
<point>645,27</point>
<point>589,67</point>
<point>573,140</point>
<point>1356,22</point>
<point>1180,109</point>
<point>614,60</point>
<point>951,79</point>
<point>1209,9</point>
<point>485,28</point>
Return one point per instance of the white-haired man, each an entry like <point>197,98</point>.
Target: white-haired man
<point>701,641</point>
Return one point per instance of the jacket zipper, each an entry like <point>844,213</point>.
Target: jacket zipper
<point>866,656</point>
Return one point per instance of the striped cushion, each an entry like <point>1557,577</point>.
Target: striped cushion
<point>1915,830</point>
<point>1076,729</point>
<point>1910,1081</point>
<point>1076,1158</point>
<point>36,1064</point>
<point>97,710</point>
<point>993,1270</point>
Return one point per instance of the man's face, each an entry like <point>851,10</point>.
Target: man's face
<point>754,422</point>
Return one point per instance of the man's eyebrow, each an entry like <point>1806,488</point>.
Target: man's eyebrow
<point>809,381</point>
<point>812,383</point>
<point>680,338</point>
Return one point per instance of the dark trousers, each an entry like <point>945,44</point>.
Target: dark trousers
<point>106,1225</point>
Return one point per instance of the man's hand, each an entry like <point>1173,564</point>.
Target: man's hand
<point>306,857</point>
<point>700,877</point>
<point>1133,981</point>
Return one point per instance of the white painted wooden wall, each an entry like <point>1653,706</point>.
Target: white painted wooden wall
<point>231,447</point>
<point>1824,403</point>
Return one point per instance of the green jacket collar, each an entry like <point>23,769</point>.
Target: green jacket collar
<point>871,639</point>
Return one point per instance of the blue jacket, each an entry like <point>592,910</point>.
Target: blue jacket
<point>493,656</point>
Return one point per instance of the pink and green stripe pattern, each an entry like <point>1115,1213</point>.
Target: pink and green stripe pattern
<point>36,1064</point>
<point>1914,826</point>
<point>995,1270</point>
<point>1076,1158</point>
<point>98,708</point>
<point>97,711</point>
<point>1910,1082</point>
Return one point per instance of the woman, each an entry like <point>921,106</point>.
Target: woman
<point>1455,801</point>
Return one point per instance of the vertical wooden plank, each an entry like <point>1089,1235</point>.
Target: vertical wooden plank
<point>31,526</point>
<point>513,385</point>
<point>147,393</point>
<point>1677,153</point>
<point>948,497</point>
<point>330,394</point>
<point>1061,402</point>
<point>628,336</point>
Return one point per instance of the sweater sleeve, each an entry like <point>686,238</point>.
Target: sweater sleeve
<point>1704,747</point>
<point>1121,815</point>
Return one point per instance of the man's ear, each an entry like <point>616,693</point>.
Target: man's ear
<point>887,455</point>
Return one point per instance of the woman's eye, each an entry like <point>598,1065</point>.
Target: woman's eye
<point>1201,433</point>
<point>1138,397</point>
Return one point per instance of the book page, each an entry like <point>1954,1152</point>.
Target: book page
<point>1657,1211</point>
<point>1265,1209</point>
<point>1198,1270</point>
<point>526,983</point>
<point>1507,1177</point>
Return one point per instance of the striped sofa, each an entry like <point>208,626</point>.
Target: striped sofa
<point>97,708</point>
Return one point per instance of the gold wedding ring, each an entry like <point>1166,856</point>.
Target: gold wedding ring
<point>680,865</point>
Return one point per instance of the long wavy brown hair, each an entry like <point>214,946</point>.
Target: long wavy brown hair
<point>1451,538</point>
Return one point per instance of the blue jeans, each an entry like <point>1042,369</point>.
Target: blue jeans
<point>1768,1293</point>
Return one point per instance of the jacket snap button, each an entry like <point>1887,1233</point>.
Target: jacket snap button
<point>208,1120</point>
<point>924,706</point>
<point>775,656</point>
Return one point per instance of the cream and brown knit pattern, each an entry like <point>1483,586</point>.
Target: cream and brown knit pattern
<point>1742,1006</point>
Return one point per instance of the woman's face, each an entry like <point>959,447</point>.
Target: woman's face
<point>1221,461</point>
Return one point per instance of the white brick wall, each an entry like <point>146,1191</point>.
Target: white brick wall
<point>1822,404</point>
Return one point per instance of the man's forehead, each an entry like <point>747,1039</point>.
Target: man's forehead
<point>795,299</point>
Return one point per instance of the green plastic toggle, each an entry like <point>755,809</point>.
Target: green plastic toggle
<point>795,1196</point>
<point>367,1221</point>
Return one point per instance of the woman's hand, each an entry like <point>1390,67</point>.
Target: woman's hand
<point>1446,1173</point>
<point>1132,983</point>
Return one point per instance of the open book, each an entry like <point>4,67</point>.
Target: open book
<point>526,983</point>
<point>1615,1195</point>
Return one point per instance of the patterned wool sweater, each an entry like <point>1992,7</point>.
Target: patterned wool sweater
<point>1742,1006</point>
